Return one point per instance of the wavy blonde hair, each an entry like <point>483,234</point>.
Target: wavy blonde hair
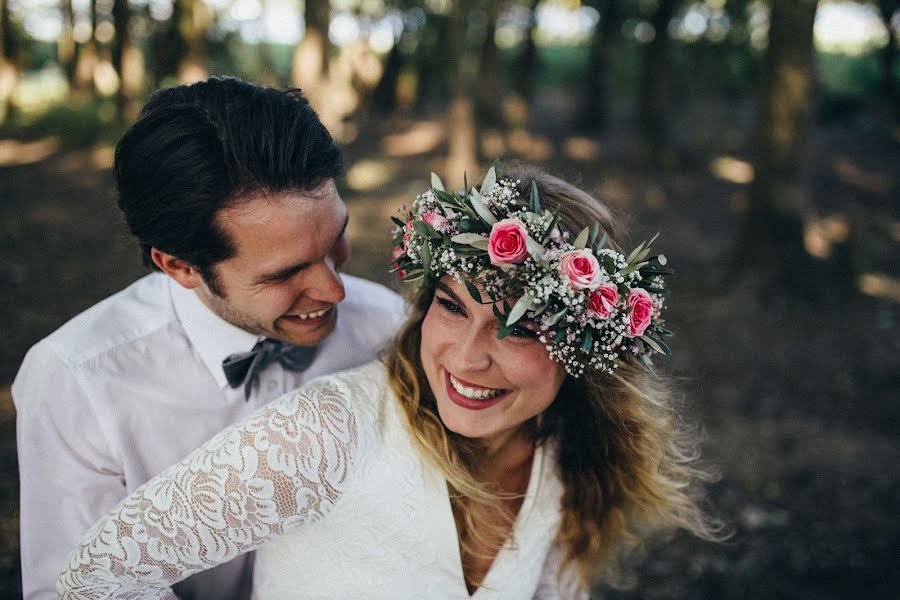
<point>626,457</point>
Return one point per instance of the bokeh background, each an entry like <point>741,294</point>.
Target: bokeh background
<point>760,137</point>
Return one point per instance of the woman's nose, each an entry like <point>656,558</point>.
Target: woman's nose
<point>473,351</point>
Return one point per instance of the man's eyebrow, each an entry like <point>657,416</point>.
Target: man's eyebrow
<point>288,271</point>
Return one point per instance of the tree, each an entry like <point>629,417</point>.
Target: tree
<point>527,63</point>
<point>887,8</point>
<point>487,97</point>
<point>125,61</point>
<point>655,144</point>
<point>192,18</point>
<point>9,72</point>
<point>310,63</point>
<point>462,132</point>
<point>595,112</point>
<point>771,240</point>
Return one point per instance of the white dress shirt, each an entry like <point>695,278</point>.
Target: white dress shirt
<point>131,386</point>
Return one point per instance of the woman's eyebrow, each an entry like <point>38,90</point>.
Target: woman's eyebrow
<point>450,293</point>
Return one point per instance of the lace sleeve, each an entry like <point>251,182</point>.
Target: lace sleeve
<point>285,465</point>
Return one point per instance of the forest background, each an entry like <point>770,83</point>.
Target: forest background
<point>760,137</point>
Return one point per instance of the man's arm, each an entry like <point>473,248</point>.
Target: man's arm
<point>68,474</point>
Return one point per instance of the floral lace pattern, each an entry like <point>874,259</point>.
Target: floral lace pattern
<point>283,466</point>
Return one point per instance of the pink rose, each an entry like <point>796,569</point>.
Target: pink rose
<point>581,268</point>
<point>435,220</point>
<point>641,304</point>
<point>407,234</point>
<point>603,300</point>
<point>506,244</point>
<point>397,252</point>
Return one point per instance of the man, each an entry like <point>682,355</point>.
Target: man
<point>229,189</point>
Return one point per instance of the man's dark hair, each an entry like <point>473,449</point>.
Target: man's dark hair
<point>196,149</point>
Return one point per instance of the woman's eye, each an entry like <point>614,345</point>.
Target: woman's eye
<point>450,306</point>
<point>522,332</point>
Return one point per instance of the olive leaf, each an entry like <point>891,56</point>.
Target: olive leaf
<point>534,202</point>
<point>534,248</point>
<point>554,319</point>
<point>490,179</point>
<point>480,208</point>
<point>519,309</point>
<point>582,238</point>
<point>473,291</point>
<point>436,182</point>
<point>425,253</point>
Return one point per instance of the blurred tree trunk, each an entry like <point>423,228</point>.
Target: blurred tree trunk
<point>310,62</point>
<point>87,56</point>
<point>889,56</point>
<point>526,69</point>
<point>433,67</point>
<point>66,48</point>
<point>595,112</point>
<point>126,61</point>
<point>772,237</point>
<point>9,70</point>
<point>462,155</point>
<point>384,97</point>
<point>655,144</point>
<point>192,18</point>
<point>487,94</point>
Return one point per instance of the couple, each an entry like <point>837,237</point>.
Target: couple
<point>506,444</point>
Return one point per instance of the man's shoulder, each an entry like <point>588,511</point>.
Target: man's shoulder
<point>133,313</point>
<point>369,296</point>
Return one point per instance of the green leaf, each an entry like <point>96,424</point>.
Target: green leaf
<point>481,209</point>
<point>581,240</point>
<point>662,345</point>
<point>426,230</point>
<point>602,243</point>
<point>412,276</point>
<point>472,239</point>
<point>663,331</point>
<point>497,313</point>
<point>398,222</point>
<point>436,183</point>
<point>595,231</point>
<point>662,259</point>
<point>560,334</point>
<point>504,330</point>
<point>534,202</point>
<point>490,179</point>
<point>608,263</point>
<point>473,291</point>
<point>554,319</point>
<point>634,253</point>
<point>588,344</point>
<point>465,224</point>
<point>652,343</point>
<point>656,290</point>
<point>519,309</point>
<point>465,180</point>
<point>425,253</point>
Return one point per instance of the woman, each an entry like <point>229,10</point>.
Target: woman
<point>508,446</point>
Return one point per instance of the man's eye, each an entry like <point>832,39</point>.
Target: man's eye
<point>450,306</point>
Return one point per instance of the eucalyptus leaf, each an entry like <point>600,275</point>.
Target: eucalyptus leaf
<point>481,209</point>
<point>554,319</point>
<point>436,183</point>
<point>664,346</point>
<point>426,230</point>
<point>473,291</point>
<point>595,231</point>
<point>490,179</point>
<point>560,334</point>
<point>425,253</point>
<point>588,343</point>
<point>582,238</point>
<point>634,253</point>
<point>649,341</point>
<point>534,202</point>
<point>534,248</point>
<point>468,238</point>
<point>398,222</point>
<point>632,268</point>
<point>602,243</point>
<point>519,309</point>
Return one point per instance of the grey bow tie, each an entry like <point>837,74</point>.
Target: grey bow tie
<point>242,368</point>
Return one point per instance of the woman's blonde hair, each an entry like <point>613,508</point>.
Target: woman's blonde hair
<point>626,457</point>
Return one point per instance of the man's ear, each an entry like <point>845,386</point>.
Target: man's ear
<point>187,276</point>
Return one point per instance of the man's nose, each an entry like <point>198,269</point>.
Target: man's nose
<point>325,282</point>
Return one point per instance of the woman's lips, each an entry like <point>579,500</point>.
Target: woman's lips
<point>470,403</point>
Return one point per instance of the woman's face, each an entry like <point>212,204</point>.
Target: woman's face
<point>485,388</point>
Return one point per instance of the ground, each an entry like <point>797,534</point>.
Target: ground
<point>798,400</point>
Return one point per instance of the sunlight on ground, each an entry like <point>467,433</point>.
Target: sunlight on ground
<point>14,152</point>
<point>422,138</point>
<point>851,173</point>
<point>529,146</point>
<point>820,234</point>
<point>366,175</point>
<point>582,148</point>
<point>732,169</point>
<point>102,157</point>
<point>880,285</point>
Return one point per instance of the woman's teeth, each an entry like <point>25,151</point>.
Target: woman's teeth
<point>474,393</point>
<point>312,315</point>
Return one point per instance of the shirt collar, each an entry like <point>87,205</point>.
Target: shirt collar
<point>213,338</point>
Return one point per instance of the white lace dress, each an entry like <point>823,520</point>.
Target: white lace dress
<point>327,484</point>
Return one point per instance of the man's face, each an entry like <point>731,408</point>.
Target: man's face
<point>283,281</point>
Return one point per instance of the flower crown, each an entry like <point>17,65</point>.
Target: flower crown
<point>589,305</point>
